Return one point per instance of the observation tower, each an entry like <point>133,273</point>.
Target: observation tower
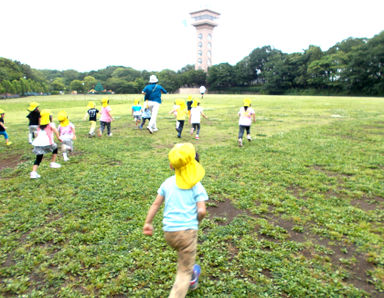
<point>204,24</point>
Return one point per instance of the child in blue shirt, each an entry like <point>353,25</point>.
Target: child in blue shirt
<point>184,197</point>
<point>3,128</point>
<point>145,116</point>
<point>136,112</point>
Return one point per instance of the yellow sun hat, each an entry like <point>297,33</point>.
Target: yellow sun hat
<point>1,111</point>
<point>63,118</point>
<point>187,169</point>
<point>104,102</point>
<point>44,117</point>
<point>190,97</point>
<point>136,101</point>
<point>247,102</point>
<point>91,105</point>
<point>32,106</point>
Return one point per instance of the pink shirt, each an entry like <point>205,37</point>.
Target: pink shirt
<point>105,114</point>
<point>66,131</point>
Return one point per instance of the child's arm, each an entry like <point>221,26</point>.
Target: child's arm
<point>201,210</point>
<point>3,126</point>
<point>56,133</point>
<point>254,117</point>
<point>85,116</point>
<point>202,114</point>
<point>74,133</point>
<point>148,228</point>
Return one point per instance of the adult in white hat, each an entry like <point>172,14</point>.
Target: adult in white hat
<point>152,96</point>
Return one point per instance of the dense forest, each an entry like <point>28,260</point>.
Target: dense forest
<point>354,66</point>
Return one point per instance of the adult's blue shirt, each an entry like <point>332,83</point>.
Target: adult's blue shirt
<point>153,92</point>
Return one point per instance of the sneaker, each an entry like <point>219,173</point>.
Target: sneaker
<point>55,165</point>
<point>66,158</point>
<point>34,175</point>
<point>9,143</point>
<point>179,136</point>
<point>155,129</point>
<point>150,130</point>
<point>194,283</point>
<point>240,141</point>
<point>110,135</point>
<point>197,137</point>
<point>249,138</point>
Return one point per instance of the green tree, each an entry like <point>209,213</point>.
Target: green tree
<point>77,85</point>
<point>89,82</point>
<point>70,75</point>
<point>220,77</point>
<point>10,70</point>
<point>189,77</point>
<point>169,80</point>
<point>58,85</point>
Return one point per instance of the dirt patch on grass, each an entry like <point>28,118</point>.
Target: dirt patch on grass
<point>10,160</point>
<point>224,209</point>
<point>297,191</point>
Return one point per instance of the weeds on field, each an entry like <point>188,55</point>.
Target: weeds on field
<point>296,212</point>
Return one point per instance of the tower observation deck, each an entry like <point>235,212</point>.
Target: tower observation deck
<point>204,24</point>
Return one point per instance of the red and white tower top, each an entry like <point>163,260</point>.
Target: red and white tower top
<point>204,24</point>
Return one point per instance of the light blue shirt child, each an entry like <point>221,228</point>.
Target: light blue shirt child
<point>180,210</point>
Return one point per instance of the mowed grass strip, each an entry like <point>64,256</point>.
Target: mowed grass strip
<point>296,212</point>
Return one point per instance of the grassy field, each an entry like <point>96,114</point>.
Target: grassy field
<point>297,212</point>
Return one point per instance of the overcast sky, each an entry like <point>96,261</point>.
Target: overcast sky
<point>157,34</point>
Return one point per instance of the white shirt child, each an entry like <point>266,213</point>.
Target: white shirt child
<point>246,116</point>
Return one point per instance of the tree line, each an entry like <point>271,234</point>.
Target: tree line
<point>354,66</point>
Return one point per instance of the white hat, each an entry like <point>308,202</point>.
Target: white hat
<point>153,79</point>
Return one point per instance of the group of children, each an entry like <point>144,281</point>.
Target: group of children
<point>42,131</point>
<point>182,194</point>
<point>41,136</point>
<point>194,111</point>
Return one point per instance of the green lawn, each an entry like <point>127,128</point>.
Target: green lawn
<point>298,212</point>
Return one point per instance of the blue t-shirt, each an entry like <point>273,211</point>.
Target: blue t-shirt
<point>180,209</point>
<point>146,114</point>
<point>153,92</point>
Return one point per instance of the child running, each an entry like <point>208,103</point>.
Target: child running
<point>44,142</point>
<point>92,113</point>
<point>136,112</point>
<point>246,115</point>
<point>67,134</point>
<point>189,105</point>
<point>106,117</point>
<point>33,116</point>
<point>194,118</point>
<point>146,115</point>
<point>184,197</point>
<point>180,110</point>
<point>3,128</point>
